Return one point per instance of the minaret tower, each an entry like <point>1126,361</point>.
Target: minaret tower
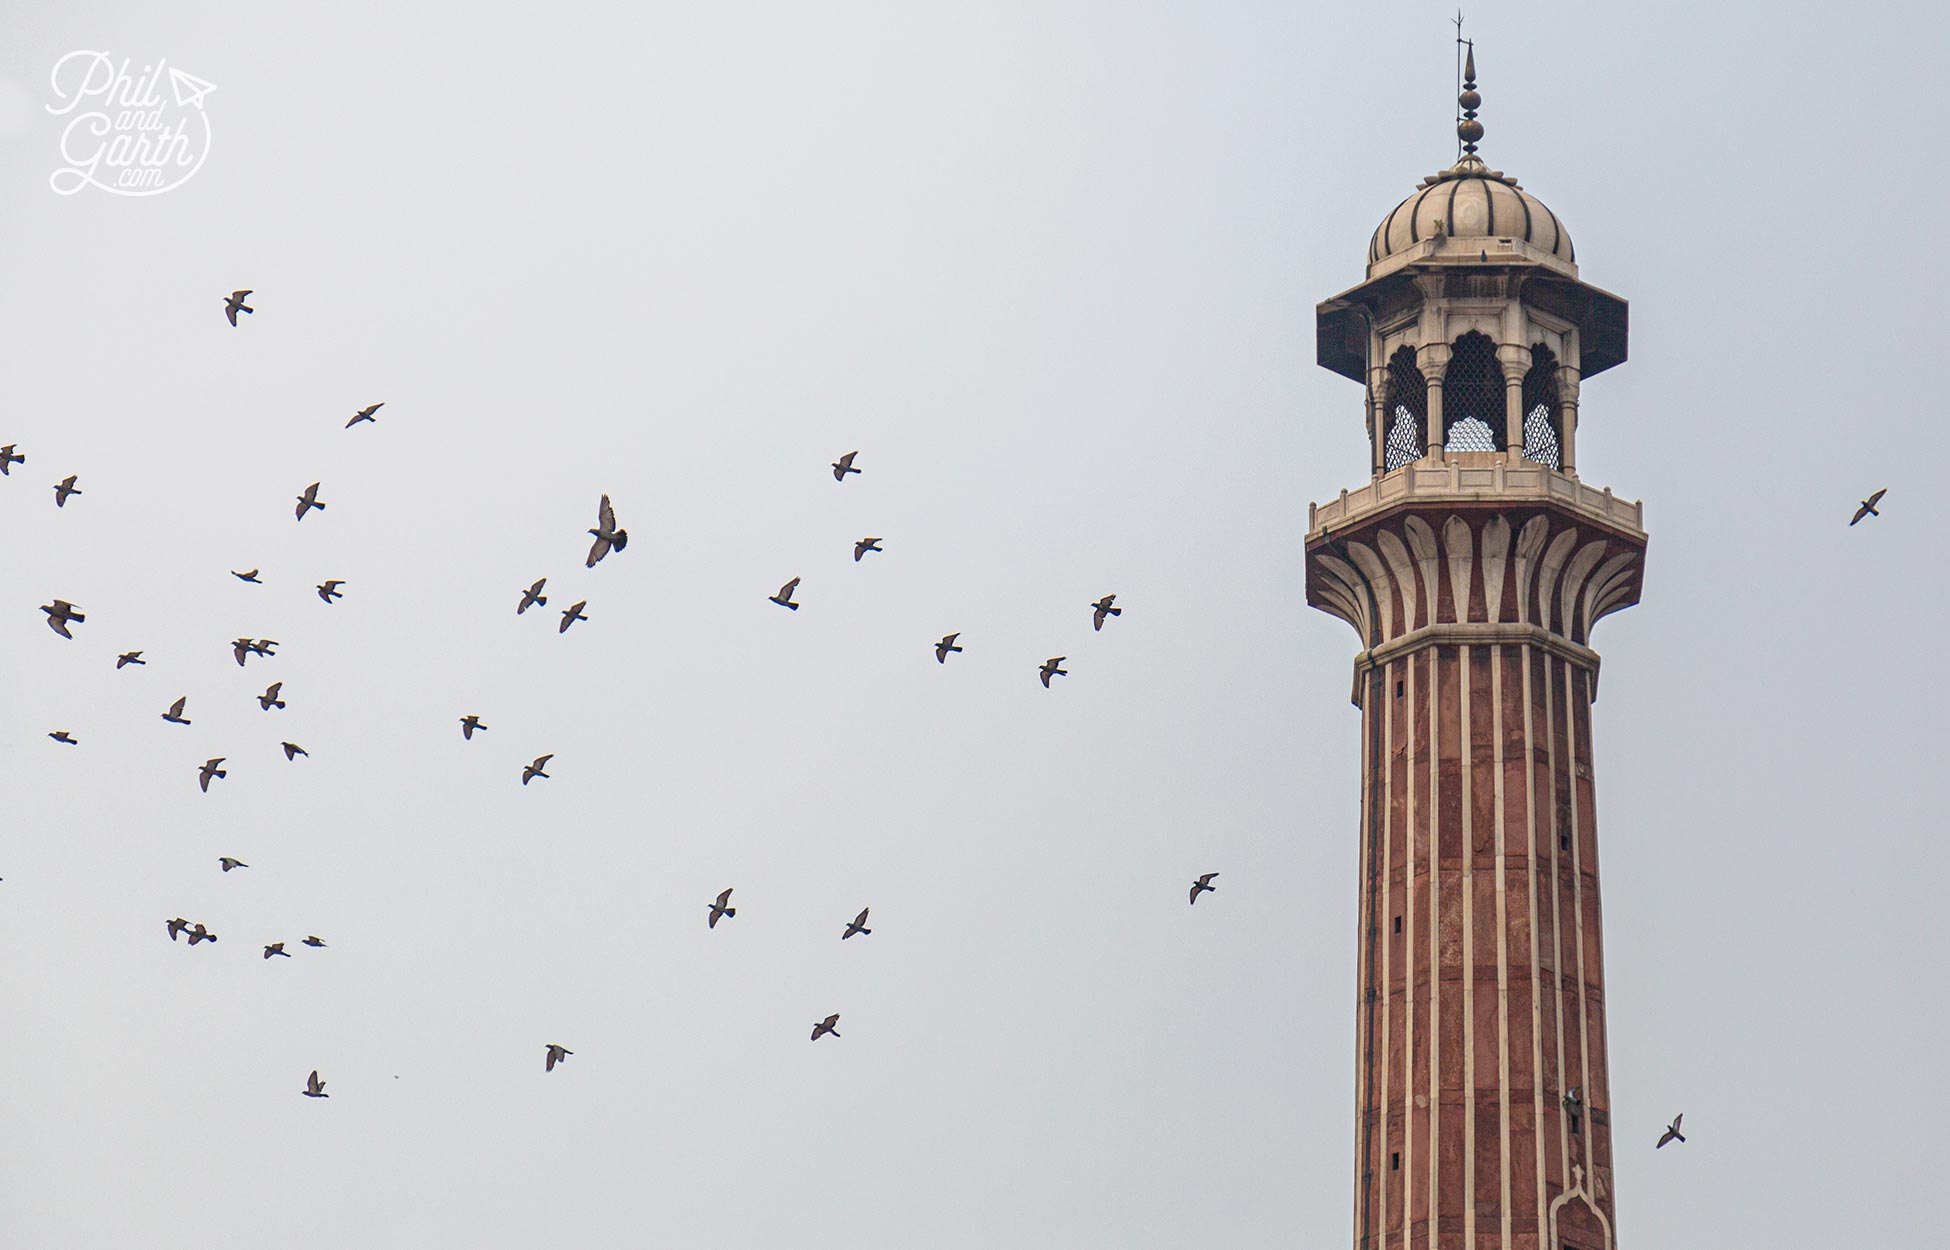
<point>1473,565</point>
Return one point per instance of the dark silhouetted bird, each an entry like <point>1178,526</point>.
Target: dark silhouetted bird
<point>269,699</point>
<point>1103,610</point>
<point>533,596</point>
<point>250,577</point>
<point>865,545</point>
<point>129,657</point>
<point>208,771</point>
<point>308,501</point>
<point>556,1054</point>
<point>329,590</point>
<point>468,724</point>
<point>314,1088</point>
<point>857,925</point>
<point>276,948</point>
<point>200,934</point>
<point>942,648</point>
<point>1203,886</point>
<point>227,863</point>
<point>1868,508</point>
<point>1574,1099</point>
<point>844,466</point>
<point>235,304</point>
<point>1049,669</point>
<point>7,457</point>
<point>784,597</point>
<point>64,488</point>
<point>315,940</point>
<point>365,414</point>
<point>721,909</point>
<point>241,648</point>
<point>1672,1132</point>
<point>175,713</point>
<point>264,646</point>
<point>176,927</point>
<point>59,614</point>
<point>292,751</point>
<point>571,615</point>
<point>534,770</point>
<point>827,1026</point>
<point>607,535</point>
<point>62,735</point>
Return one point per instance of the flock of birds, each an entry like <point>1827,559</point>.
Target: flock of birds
<point>608,537</point>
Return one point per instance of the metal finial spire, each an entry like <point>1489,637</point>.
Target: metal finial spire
<point>1469,130</point>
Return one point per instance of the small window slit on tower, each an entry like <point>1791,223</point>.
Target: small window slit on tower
<point>1398,924</point>
<point>1395,1161</point>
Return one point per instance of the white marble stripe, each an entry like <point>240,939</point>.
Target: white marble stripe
<point>1435,943</point>
<point>1386,712</point>
<point>1557,911</point>
<point>1410,913</point>
<point>1502,939</point>
<point>1577,911</point>
<point>1536,969</point>
<point>1468,943</point>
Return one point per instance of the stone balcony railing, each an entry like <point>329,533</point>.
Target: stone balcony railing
<point>1473,478</point>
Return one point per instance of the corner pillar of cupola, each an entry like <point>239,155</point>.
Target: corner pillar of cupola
<point>1567,409</point>
<point>1377,411</point>
<point>1433,360</point>
<point>1514,356</point>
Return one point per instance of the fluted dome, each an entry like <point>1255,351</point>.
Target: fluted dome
<point>1470,201</point>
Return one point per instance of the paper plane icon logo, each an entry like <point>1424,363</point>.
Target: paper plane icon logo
<point>189,89</point>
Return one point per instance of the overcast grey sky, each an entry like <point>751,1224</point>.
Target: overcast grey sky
<point>1051,267</point>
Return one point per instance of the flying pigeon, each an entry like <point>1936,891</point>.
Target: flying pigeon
<point>826,1026</point>
<point>1049,669</point>
<point>468,724</point>
<point>534,770</point>
<point>241,647</point>
<point>292,751</point>
<point>176,926</point>
<point>607,535</point>
<point>314,1088</point>
<point>208,771</point>
<point>62,735</point>
<point>315,940</point>
<point>1868,508</point>
<point>269,699</point>
<point>844,466</point>
<point>1574,1098</point>
<point>129,657</point>
<point>1204,886</point>
<point>942,648</point>
<point>227,863</point>
<point>276,948</point>
<point>533,596</point>
<point>175,713</point>
<point>865,545</point>
<point>64,488</point>
<point>784,597</point>
<point>308,501</point>
<point>1103,610</point>
<point>365,414</point>
<point>235,304</point>
<point>556,1054</point>
<point>1672,1132</point>
<point>571,615</point>
<point>7,457</point>
<point>250,577</point>
<point>721,908</point>
<point>329,590</point>
<point>59,614</point>
<point>263,646</point>
<point>857,925</point>
<point>200,934</point>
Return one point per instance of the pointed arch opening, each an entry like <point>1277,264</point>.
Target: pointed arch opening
<point>1542,431</point>
<point>1407,411</point>
<point>1472,396</point>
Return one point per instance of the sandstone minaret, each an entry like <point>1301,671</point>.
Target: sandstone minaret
<point>1473,565</point>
